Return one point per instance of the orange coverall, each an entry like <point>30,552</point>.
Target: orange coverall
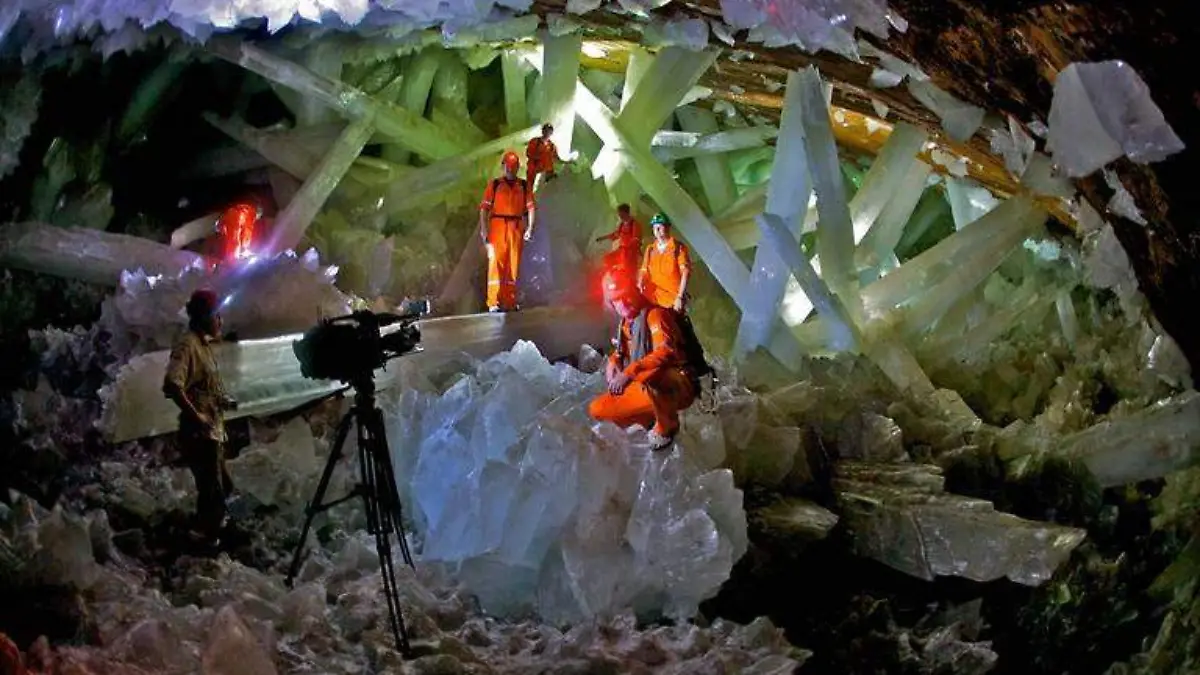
<point>540,156</point>
<point>627,249</point>
<point>509,203</point>
<point>661,386</point>
<point>662,271</point>
<point>237,229</point>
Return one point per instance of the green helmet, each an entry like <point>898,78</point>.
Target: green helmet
<point>660,218</point>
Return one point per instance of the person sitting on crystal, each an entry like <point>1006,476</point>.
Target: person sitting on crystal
<point>540,156</point>
<point>194,384</point>
<point>649,379</point>
<point>666,267</point>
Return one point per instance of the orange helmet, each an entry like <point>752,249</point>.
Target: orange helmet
<point>619,287</point>
<point>511,160</point>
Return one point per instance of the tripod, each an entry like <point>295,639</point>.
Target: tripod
<point>377,488</point>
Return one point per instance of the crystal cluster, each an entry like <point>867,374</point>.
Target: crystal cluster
<point>811,26</point>
<point>19,103</point>
<point>540,508</point>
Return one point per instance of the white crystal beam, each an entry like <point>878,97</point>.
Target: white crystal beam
<point>420,187</point>
<point>264,376</point>
<point>292,223</point>
<point>675,145</point>
<point>930,283</point>
<point>715,176</point>
<point>560,71</point>
<point>515,113</point>
<point>1150,444</point>
<point>406,128</point>
<point>195,230</point>
<point>787,199</point>
<point>687,217</point>
<point>414,95</point>
<point>835,232</point>
<point>94,256</point>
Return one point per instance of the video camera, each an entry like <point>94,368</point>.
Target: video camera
<point>347,348</point>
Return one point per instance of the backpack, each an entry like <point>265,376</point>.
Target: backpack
<point>520,181</point>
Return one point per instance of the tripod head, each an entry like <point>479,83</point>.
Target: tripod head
<point>351,348</point>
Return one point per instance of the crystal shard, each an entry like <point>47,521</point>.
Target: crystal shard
<point>714,172</point>
<point>1150,444</point>
<point>959,119</point>
<point>1101,111</point>
<point>901,516</point>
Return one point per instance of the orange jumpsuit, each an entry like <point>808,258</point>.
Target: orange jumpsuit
<point>237,229</point>
<point>661,385</point>
<point>540,155</point>
<point>510,202</point>
<point>662,271</point>
<point>627,249</point>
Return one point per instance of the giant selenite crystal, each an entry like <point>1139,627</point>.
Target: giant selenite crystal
<point>264,376</point>
<point>1101,111</point>
<point>539,507</point>
<point>900,516</point>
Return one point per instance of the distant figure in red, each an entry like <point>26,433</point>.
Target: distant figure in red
<point>626,252</point>
<point>236,227</point>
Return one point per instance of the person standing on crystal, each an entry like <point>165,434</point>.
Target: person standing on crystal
<point>236,227</point>
<point>194,384</point>
<point>649,379</point>
<point>666,267</point>
<point>627,242</point>
<point>505,224</point>
<point>540,156</point>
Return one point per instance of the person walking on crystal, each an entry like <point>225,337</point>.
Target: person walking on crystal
<point>540,156</point>
<point>506,217</point>
<point>627,244</point>
<point>649,379</point>
<point>666,267</point>
<point>194,384</point>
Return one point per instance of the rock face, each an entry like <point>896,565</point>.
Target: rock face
<point>541,508</point>
<point>900,516</point>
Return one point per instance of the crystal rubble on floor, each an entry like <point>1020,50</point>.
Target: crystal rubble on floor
<point>1102,111</point>
<point>264,376</point>
<point>900,516</point>
<point>89,255</point>
<point>499,491</point>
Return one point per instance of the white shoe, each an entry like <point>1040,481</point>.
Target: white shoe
<point>494,309</point>
<point>658,441</point>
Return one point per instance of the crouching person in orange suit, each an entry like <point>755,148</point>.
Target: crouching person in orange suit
<point>649,381</point>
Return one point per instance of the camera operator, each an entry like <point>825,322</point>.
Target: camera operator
<point>194,384</point>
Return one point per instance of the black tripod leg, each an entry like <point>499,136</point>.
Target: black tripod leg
<point>314,506</point>
<point>391,509</point>
<point>375,463</point>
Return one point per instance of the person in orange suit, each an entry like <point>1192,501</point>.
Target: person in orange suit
<point>649,380</point>
<point>505,224</point>
<point>236,226</point>
<point>540,156</point>
<point>627,244</point>
<point>666,267</point>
